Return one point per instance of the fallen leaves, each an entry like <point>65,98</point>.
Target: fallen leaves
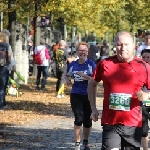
<point>34,105</point>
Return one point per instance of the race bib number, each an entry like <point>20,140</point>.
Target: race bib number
<point>120,101</point>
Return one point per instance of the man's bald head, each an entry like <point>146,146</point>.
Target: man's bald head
<point>62,44</point>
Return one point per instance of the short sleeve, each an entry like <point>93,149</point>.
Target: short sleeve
<point>97,74</point>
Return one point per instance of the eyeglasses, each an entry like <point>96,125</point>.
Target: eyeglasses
<point>82,50</point>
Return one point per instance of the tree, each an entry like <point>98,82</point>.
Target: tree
<point>92,15</point>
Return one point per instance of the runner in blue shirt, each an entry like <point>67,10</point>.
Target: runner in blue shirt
<point>81,70</point>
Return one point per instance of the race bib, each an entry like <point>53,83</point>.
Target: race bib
<point>120,101</point>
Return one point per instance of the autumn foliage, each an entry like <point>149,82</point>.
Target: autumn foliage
<point>92,15</point>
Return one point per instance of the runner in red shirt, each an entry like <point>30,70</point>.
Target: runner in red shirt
<point>123,77</point>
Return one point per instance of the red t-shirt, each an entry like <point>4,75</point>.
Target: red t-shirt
<point>122,77</point>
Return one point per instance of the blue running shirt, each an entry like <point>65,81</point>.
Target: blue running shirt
<point>80,84</point>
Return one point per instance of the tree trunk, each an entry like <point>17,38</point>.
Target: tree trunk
<point>37,31</point>
<point>12,25</point>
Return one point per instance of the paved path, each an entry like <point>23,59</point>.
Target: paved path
<point>43,134</point>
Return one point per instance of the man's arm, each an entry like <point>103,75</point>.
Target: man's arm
<point>92,92</point>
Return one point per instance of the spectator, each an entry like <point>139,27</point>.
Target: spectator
<point>61,57</point>
<point>56,46</point>
<point>30,55</point>
<point>145,45</point>
<point>92,54</point>
<point>30,47</point>
<point>11,67</point>
<point>73,49</point>
<point>3,67</point>
<point>43,68</point>
<point>104,52</point>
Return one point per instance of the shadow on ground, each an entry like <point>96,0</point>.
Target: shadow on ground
<point>14,138</point>
<point>58,109</point>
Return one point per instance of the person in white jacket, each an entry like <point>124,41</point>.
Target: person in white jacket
<point>42,69</point>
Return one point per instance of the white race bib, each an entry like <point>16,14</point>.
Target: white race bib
<point>120,101</point>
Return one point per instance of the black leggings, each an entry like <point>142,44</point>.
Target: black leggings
<point>82,110</point>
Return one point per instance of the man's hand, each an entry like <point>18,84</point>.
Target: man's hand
<point>142,95</point>
<point>95,115</point>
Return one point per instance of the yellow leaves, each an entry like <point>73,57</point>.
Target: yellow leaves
<point>91,14</point>
<point>88,4</point>
<point>109,2</point>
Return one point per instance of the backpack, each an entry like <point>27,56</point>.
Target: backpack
<point>37,58</point>
<point>4,54</point>
<point>60,59</point>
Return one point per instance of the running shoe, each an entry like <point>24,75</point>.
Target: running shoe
<point>85,146</point>
<point>77,147</point>
<point>58,96</point>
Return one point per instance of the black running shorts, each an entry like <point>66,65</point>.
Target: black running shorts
<point>82,110</point>
<point>120,136</point>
